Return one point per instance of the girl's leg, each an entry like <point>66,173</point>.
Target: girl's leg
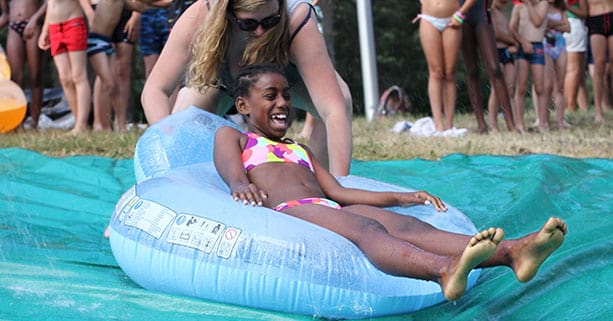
<point>104,90</point>
<point>520,93</point>
<point>398,257</point>
<point>452,39</point>
<point>492,108</point>
<point>599,44</point>
<point>542,99</point>
<point>560,73</point>
<point>63,66</point>
<point>149,61</point>
<point>523,255</point>
<point>487,47</point>
<point>78,63</point>
<point>575,70</point>
<point>431,43</point>
<point>15,55</point>
<point>583,96</point>
<point>122,62</point>
<point>548,84</point>
<point>473,74</point>
<point>35,66</point>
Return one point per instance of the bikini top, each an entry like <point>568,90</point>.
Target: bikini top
<point>554,16</point>
<point>260,150</point>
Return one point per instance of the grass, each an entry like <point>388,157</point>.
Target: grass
<point>371,141</point>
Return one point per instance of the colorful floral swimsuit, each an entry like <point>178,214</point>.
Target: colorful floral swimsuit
<point>260,150</point>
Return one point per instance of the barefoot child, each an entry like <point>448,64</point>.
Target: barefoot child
<point>528,24</point>
<point>440,35</point>
<point>65,33</point>
<point>264,169</point>
<point>22,45</point>
<point>506,46</point>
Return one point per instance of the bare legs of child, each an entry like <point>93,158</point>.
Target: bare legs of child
<point>441,51</point>
<point>405,246</point>
<point>481,37</point>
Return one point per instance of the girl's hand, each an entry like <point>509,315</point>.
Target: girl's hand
<point>425,198</point>
<point>43,40</point>
<point>249,195</point>
<point>30,30</point>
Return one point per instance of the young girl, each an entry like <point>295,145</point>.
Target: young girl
<point>528,24</point>
<point>24,19</point>
<point>555,59</point>
<point>506,46</point>
<point>261,168</point>
<point>441,36</point>
<point>65,33</point>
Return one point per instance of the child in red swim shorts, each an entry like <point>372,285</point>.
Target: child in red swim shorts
<point>65,33</point>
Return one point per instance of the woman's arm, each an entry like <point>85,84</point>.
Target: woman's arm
<point>229,165</point>
<point>171,66</point>
<point>309,53</point>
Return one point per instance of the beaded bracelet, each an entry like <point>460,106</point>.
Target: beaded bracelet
<point>459,17</point>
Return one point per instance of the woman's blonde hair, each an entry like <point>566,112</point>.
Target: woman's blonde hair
<point>210,46</point>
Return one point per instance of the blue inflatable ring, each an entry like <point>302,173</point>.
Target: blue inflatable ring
<point>179,231</point>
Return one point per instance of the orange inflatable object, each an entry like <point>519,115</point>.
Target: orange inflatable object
<point>13,105</point>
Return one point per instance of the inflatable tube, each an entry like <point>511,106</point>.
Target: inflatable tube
<point>13,105</point>
<point>178,231</point>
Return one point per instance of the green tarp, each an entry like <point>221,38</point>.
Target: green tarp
<point>55,263</point>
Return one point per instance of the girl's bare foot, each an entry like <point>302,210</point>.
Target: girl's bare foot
<point>532,250</point>
<point>479,248</point>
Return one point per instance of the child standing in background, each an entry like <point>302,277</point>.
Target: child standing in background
<point>555,59</point>
<point>65,33</point>
<point>441,37</point>
<point>528,24</point>
<point>507,48</point>
<point>23,17</point>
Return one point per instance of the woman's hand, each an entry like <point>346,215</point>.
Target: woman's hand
<point>249,194</point>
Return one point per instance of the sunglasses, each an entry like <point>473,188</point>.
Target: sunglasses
<point>252,24</point>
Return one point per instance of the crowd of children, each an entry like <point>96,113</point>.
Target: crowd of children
<point>534,40</point>
<point>77,45</point>
<point>547,40</point>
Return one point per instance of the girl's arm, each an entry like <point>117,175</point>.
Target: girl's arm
<point>132,28</point>
<point>513,27</point>
<point>173,61</point>
<point>537,13</point>
<point>351,196</point>
<point>504,35</point>
<point>453,23</point>
<point>43,39</point>
<point>308,51</point>
<point>4,17</point>
<point>561,26</point>
<point>581,11</point>
<point>88,10</point>
<point>229,165</point>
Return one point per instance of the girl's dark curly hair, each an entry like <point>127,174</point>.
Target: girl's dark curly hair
<point>249,75</point>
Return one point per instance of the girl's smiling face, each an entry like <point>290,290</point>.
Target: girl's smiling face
<point>268,106</point>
